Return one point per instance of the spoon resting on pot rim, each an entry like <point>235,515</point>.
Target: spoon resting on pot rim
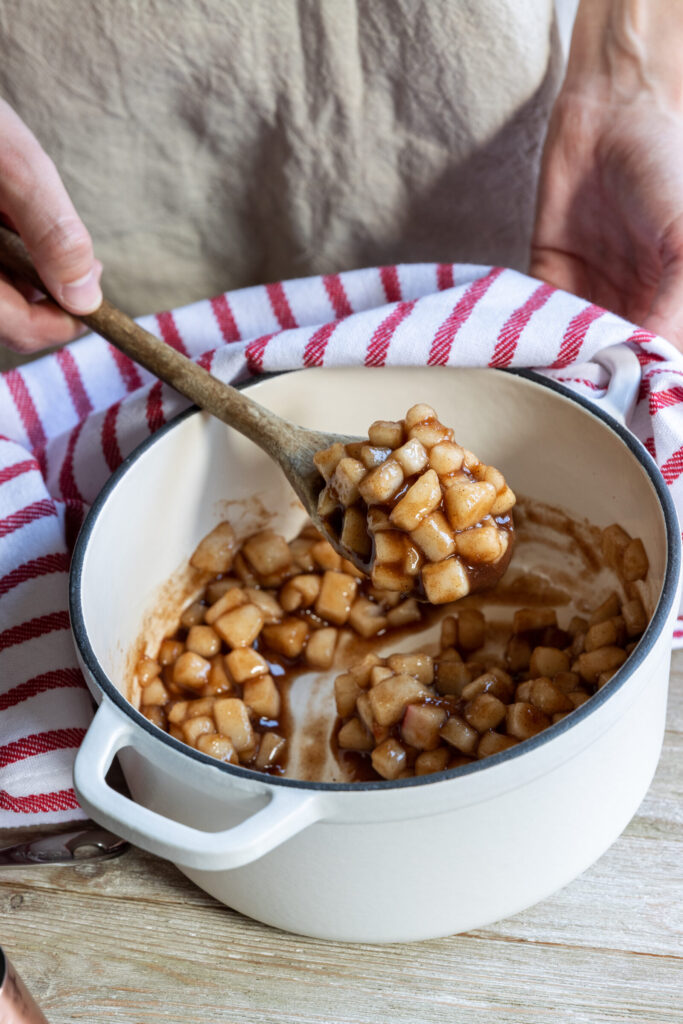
<point>409,506</point>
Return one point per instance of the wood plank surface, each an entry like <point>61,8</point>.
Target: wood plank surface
<point>131,941</point>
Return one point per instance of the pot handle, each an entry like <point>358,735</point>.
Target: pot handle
<point>624,385</point>
<point>288,812</point>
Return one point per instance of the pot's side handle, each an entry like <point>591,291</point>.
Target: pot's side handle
<point>288,812</point>
<point>624,384</point>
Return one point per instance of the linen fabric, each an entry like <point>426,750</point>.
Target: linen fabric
<point>214,144</point>
<point>69,419</point>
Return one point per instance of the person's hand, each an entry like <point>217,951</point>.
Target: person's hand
<point>34,202</point>
<point>609,223</point>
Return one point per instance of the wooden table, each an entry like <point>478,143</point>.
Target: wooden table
<point>132,941</point>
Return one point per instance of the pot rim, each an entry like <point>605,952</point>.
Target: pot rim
<point>579,715</point>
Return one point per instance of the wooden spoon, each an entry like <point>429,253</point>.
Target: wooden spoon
<point>291,446</point>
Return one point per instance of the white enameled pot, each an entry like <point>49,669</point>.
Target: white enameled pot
<point>381,861</point>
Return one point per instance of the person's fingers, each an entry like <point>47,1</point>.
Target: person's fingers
<point>560,269</point>
<point>35,200</point>
<point>29,326</point>
<point>666,313</point>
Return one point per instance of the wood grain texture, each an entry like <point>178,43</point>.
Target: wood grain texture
<point>132,942</point>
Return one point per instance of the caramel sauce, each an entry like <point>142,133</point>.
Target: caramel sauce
<point>558,563</point>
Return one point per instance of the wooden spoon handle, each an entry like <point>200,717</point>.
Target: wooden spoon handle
<point>229,405</point>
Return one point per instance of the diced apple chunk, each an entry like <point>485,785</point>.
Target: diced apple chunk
<point>482,544</point>
<point>446,458</point>
<point>215,553</point>
<point>471,629</point>
<point>389,698</point>
<point>193,728</point>
<point>346,693</point>
<point>445,581</point>
<point>189,670</point>
<point>300,591</point>
<point>262,696</point>
<point>467,503</point>
<point>435,537</point>
<point>494,743</point>
<point>245,663</point>
<point>267,552</point>
<point>419,665</point>
<point>420,499</point>
<point>354,736</point>
<point>387,433</point>
<point>320,647</point>
<point>327,460</point>
<point>154,694</point>
<point>203,640</point>
<point>232,720</point>
<point>381,483</point>
<point>240,627</point>
<point>232,598</point>
<point>411,457</point>
<point>354,535</point>
<point>420,725</point>
<point>484,712</point>
<point>270,751</point>
<point>548,661</point>
<point>217,746</point>
<point>389,759</point>
<point>523,720</point>
<point>366,617</point>
<point>347,476</point>
<point>337,594</point>
<point>287,637</point>
<point>460,734</point>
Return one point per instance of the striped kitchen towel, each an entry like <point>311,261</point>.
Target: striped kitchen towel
<point>68,419</point>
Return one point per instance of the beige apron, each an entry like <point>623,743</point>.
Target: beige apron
<point>212,144</point>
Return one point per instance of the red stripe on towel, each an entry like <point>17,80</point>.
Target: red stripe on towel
<point>154,410</point>
<point>67,477</point>
<point>255,352</point>
<point>40,743</point>
<point>225,318</point>
<point>391,283</point>
<point>506,343</point>
<point>39,803</point>
<point>58,679</point>
<point>28,414</point>
<point>317,343</point>
<point>444,276</point>
<point>34,628</point>
<point>44,565</point>
<point>18,469</point>
<point>337,295</point>
<point>110,444</point>
<point>664,399</point>
<point>673,467</point>
<point>381,339</point>
<point>280,306</point>
<point>74,383</point>
<point>28,514</point>
<point>575,335</point>
<point>445,336</point>
<point>129,372</point>
<point>170,332</point>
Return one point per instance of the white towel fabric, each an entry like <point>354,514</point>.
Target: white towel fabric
<point>68,420</point>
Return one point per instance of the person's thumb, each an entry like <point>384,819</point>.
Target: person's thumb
<point>34,198</point>
<point>64,259</point>
<point>666,312</point>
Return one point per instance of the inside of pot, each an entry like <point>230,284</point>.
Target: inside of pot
<point>198,473</point>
